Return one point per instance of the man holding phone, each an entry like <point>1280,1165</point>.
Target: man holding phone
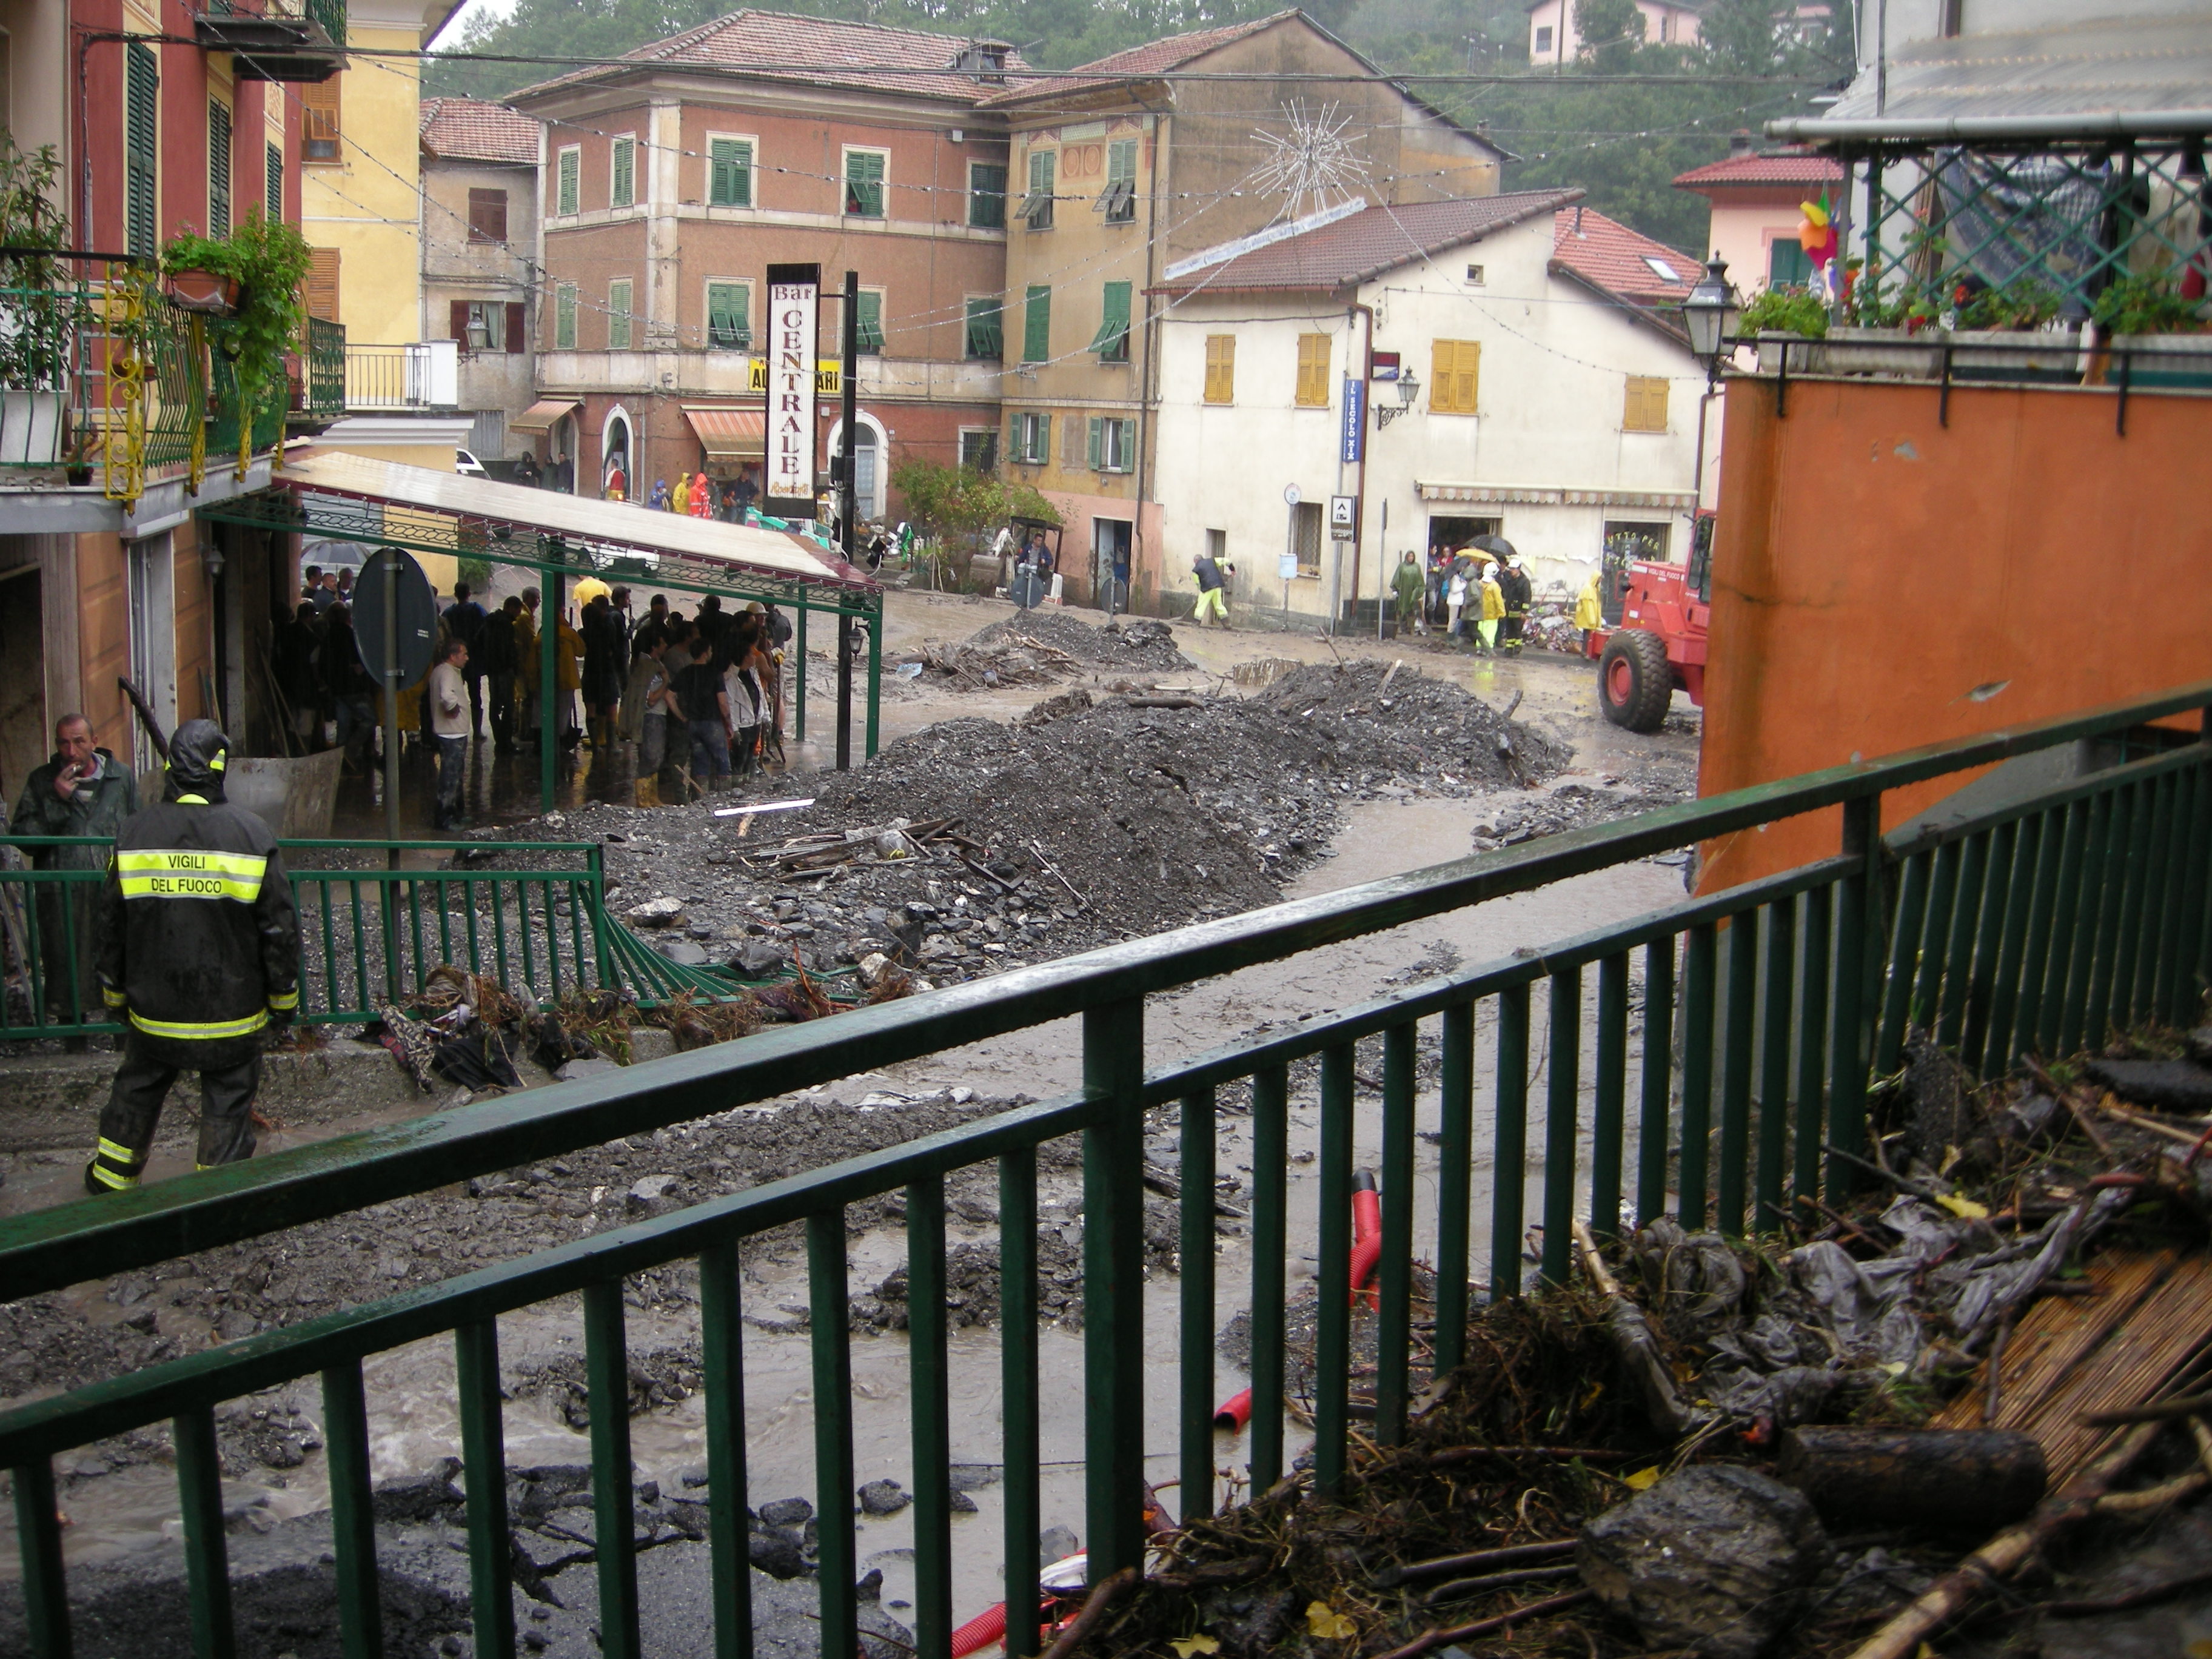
<point>83,791</point>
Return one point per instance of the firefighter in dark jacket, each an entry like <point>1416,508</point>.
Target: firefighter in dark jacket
<point>199,953</point>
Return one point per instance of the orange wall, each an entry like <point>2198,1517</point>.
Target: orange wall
<point>1873,567</point>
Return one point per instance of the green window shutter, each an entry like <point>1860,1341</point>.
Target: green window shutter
<point>864,184</point>
<point>142,82</point>
<point>564,318</point>
<point>622,190</point>
<point>1037,323</point>
<point>729,316</point>
<point>218,169</point>
<point>1036,206</point>
<point>868,331</point>
<point>1097,442</point>
<point>273,187</point>
<point>986,336</point>
<point>1111,342</point>
<point>618,316</point>
<point>565,199</point>
<point>731,180</point>
<point>986,195</point>
<point>1128,444</point>
<point>1118,200</point>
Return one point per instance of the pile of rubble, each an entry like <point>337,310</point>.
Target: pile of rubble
<point>973,846</point>
<point>1970,1406</point>
<point>1046,645</point>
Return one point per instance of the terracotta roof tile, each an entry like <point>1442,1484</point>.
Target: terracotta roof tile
<point>812,49</point>
<point>468,130</point>
<point>1607,254</point>
<point>1365,244</point>
<point>1772,167</point>
<point>1153,58</point>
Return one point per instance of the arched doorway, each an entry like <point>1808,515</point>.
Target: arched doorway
<point>871,463</point>
<point>618,473</point>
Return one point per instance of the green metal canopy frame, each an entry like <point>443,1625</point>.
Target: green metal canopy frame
<point>498,529</point>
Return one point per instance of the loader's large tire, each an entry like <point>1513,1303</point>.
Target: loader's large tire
<point>1635,681</point>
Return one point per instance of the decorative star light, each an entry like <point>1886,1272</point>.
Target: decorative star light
<point>1313,165</point>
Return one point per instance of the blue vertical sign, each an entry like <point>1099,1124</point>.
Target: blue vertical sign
<point>1355,423</point>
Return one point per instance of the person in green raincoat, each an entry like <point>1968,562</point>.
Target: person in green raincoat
<point>1409,584</point>
<point>83,791</point>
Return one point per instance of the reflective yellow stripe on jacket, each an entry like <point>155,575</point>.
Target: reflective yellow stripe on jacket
<point>177,873</point>
<point>199,1030</point>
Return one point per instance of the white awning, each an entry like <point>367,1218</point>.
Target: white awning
<point>613,529</point>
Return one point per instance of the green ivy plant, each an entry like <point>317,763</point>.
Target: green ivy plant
<point>2018,305</point>
<point>269,260</point>
<point>1785,311</point>
<point>2146,305</point>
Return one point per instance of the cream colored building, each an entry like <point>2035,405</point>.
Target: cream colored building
<point>1552,400</point>
<point>1114,182</point>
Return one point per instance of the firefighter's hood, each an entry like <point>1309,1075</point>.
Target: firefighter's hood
<point>197,752</point>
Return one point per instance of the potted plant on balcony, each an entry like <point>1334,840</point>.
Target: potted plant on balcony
<point>196,274</point>
<point>2145,314</point>
<point>2012,332</point>
<point>268,261</point>
<point>39,311</point>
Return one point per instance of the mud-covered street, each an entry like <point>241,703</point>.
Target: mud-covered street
<point>1123,787</point>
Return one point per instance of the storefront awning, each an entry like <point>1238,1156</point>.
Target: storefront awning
<point>730,435</point>
<point>351,498</point>
<point>1486,495</point>
<point>544,416</point>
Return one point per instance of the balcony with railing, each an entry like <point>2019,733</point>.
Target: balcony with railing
<point>298,41</point>
<point>108,383</point>
<point>421,378</point>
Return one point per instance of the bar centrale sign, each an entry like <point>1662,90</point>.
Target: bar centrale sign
<point>794,294</point>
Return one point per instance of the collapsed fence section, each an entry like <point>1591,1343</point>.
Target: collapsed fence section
<point>1742,1099</point>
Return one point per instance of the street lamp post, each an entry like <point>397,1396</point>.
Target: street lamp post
<point>1709,314</point>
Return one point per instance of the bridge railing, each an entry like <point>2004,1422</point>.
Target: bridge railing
<point>2079,907</point>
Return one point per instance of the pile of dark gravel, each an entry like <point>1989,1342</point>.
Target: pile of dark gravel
<point>1130,645</point>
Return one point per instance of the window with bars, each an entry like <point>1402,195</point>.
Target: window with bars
<point>1111,342</point>
<point>729,172</point>
<point>218,169</point>
<point>141,84</point>
<point>1113,444</point>
<point>864,183</point>
<point>1221,368</point>
<point>564,317</point>
<point>986,195</point>
<point>567,170</point>
<point>729,316</point>
<point>319,121</point>
<point>985,330</point>
<point>1645,409</point>
<point>1036,206</point>
<point>618,315</point>
<point>1037,323</point>
<point>868,323</point>
<point>979,448</point>
<point>1031,439</point>
<point>1119,199</point>
<point>1313,371</point>
<point>622,173</point>
<point>272,182</point>
<point>1455,375</point>
<point>1305,536</point>
<point>487,216</point>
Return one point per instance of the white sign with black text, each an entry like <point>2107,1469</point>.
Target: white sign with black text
<point>794,294</point>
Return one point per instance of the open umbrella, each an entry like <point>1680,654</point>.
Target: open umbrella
<point>1497,544</point>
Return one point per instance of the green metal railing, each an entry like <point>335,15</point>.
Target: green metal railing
<point>367,935</point>
<point>2084,904</point>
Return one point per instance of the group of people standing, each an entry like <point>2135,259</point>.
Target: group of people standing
<point>702,497</point>
<point>1485,601</point>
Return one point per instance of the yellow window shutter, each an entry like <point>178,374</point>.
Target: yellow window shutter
<point>1453,368</point>
<point>1313,371</point>
<point>1646,409</point>
<point>1220,368</point>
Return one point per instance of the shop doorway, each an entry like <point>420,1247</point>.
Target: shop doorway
<point>1627,542</point>
<point>1448,535</point>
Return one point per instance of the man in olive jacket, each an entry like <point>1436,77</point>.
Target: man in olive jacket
<point>199,953</point>
<point>83,791</point>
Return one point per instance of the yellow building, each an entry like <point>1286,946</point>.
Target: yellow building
<point>361,209</point>
<point>1121,177</point>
